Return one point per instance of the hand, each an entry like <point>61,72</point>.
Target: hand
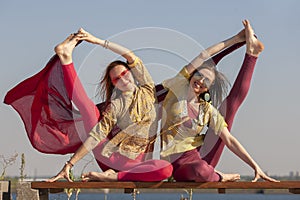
<point>84,35</point>
<point>260,174</point>
<point>64,173</point>
<point>241,36</point>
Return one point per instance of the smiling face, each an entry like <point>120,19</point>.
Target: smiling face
<point>202,80</point>
<point>122,78</point>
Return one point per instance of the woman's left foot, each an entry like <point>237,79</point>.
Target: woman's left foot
<point>229,177</point>
<point>107,176</point>
<point>253,46</point>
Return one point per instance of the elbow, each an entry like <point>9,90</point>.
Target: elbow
<point>130,57</point>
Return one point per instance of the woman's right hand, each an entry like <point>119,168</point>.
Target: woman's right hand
<point>64,173</point>
<point>260,174</point>
<point>241,36</point>
<point>84,35</point>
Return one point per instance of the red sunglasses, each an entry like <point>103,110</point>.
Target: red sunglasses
<point>123,73</point>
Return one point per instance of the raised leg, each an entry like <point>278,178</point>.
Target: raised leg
<point>214,145</point>
<point>73,85</point>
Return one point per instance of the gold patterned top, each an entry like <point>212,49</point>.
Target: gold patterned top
<point>180,132</point>
<point>134,113</point>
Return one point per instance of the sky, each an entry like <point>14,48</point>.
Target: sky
<point>166,35</point>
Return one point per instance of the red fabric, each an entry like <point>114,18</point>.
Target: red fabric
<point>51,122</point>
<point>43,101</point>
<point>189,166</point>
<point>53,125</point>
<point>149,170</point>
<point>76,92</point>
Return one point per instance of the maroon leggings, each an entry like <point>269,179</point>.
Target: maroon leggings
<point>231,104</point>
<point>129,170</point>
<point>191,166</point>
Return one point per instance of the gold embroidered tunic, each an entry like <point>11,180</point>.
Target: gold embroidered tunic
<point>179,132</point>
<point>134,113</point>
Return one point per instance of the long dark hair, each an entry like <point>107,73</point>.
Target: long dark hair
<point>219,88</point>
<point>106,87</point>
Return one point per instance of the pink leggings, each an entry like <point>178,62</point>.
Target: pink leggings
<point>129,170</point>
<point>190,166</point>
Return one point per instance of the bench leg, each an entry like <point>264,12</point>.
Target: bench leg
<point>133,192</point>
<point>43,194</point>
<point>294,190</point>
<point>221,190</point>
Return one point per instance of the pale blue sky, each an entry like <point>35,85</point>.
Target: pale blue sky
<point>267,122</point>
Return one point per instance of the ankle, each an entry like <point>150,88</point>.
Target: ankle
<point>256,49</point>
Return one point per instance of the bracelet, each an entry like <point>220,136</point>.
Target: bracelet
<point>69,163</point>
<point>105,45</point>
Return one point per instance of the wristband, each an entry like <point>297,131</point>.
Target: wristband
<point>69,163</point>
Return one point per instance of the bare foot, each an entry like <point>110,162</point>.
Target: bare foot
<point>254,46</point>
<point>229,177</point>
<point>108,175</point>
<point>65,49</point>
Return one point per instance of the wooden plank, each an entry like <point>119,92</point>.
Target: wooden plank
<point>291,185</point>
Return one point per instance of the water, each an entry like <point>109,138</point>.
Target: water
<point>174,196</point>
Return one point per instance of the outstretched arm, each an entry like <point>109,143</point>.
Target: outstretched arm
<point>214,49</point>
<point>118,49</point>
<point>89,144</point>
<point>235,146</point>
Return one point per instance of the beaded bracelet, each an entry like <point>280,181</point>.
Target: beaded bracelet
<point>106,42</point>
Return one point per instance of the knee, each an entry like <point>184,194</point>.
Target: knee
<point>206,173</point>
<point>199,171</point>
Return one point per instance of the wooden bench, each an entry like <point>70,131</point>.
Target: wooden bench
<point>45,188</point>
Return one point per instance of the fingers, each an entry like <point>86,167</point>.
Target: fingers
<point>68,178</point>
<point>274,180</point>
<point>53,179</point>
<point>256,178</point>
<point>267,178</point>
<point>64,173</point>
<point>82,33</point>
<point>81,30</point>
<point>79,36</point>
